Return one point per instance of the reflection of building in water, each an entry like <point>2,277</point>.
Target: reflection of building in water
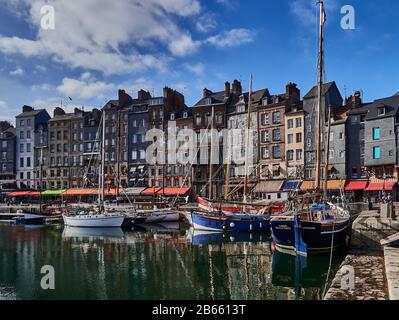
<point>248,268</point>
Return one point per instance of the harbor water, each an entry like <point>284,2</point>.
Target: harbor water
<point>154,262</point>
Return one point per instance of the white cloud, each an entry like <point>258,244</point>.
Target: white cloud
<point>206,23</point>
<point>17,72</point>
<point>196,68</point>
<point>42,87</point>
<point>306,11</point>
<point>232,38</point>
<point>87,87</point>
<point>6,113</point>
<point>95,34</point>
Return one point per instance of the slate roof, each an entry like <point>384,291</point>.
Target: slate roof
<point>216,98</point>
<point>313,92</point>
<point>30,113</point>
<point>391,105</point>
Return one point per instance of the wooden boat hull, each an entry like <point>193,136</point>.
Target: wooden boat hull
<point>318,236</point>
<point>210,222</point>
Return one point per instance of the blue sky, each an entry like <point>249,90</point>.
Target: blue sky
<point>99,46</point>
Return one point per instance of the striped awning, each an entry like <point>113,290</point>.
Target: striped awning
<point>268,186</point>
<point>24,194</point>
<point>389,186</point>
<point>291,185</point>
<point>152,191</point>
<point>356,185</point>
<point>375,186</point>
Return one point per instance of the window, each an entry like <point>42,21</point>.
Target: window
<point>21,135</point>
<point>290,155</point>
<point>21,123</point>
<point>290,138</point>
<point>342,154</point>
<point>290,123</point>
<point>265,136</point>
<point>4,155</point>
<point>276,152</point>
<point>276,135</point>
<point>299,137</point>
<point>376,133</point>
<point>299,154</point>
<point>21,148</point>
<point>142,154</point>
<point>276,117</point>
<point>376,152</point>
<point>390,153</point>
<point>21,162</point>
<point>198,119</point>
<point>4,144</point>
<point>27,134</point>
<point>354,120</point>
<point>28,147</point>
<point>28,162</point>
<point>265,119</point>
<point>341,136</point>
<point>354,172</point>
<point>381,111</point>
<point>29,122</point>
<point>265,153</point>
<point>219,118</point>
<point>172,116</point>
<point>309,143</point>
<point>134,155</point>
<point>332,153</point>
<point>298,122</point>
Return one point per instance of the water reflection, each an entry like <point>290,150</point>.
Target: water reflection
<point>150,262</point>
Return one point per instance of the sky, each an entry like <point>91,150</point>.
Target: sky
<point>100,46</point>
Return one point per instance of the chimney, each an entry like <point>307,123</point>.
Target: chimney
<point>143,95</point>
<point>237,89</point>
<point>356,100</point>
<point>27,109</point>
<point>123,98</point>
<point>58,112</point>
<point>206,93</point>
<point>292,92</point>
<point>227,89</point>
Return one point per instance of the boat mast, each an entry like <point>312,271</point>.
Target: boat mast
<point>227,183</point>
<point>102,190</point>
<point>327,152</point>
<point>118,155</point>
<point>247,140</point>
<point>210,191</point>
<point>319,97</point>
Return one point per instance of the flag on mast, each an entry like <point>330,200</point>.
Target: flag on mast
<point>323,16</point>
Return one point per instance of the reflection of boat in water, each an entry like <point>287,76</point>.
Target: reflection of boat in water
<point>156,216</point>
<point>160,226</point>
<point>198,237</point>
<point>77,232</point>
<point>297,272</point>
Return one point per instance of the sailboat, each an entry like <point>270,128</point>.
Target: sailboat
<point>226,217</point>
<point>317,226</point>
<point>95,216</point>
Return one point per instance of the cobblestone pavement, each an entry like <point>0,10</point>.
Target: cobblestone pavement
<point>391,255</point>
<point>362,274</point>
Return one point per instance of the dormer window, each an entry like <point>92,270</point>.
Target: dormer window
<point>185,115</point>
<point>265,101</point>
<point>381,111</point>
<point>276,99</point>
<point>240,108</point>
<point>208,101</point>
<point>172,116</point>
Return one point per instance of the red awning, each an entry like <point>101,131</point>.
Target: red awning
<point>172,192</point>
<point>150,191</point>
<point>356,185</point>
<point>24,194</point>
<point>389,186</point>
<point>376,186</point>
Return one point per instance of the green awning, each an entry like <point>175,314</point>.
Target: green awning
<point>53,193</point>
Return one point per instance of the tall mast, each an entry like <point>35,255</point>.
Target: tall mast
<point>327,152</point>
<point>227,182</point>
<point>320,97</point>
<point>118,156</point>
<point>102,190</point>
<point>247,140</point>
<point>210,193</point>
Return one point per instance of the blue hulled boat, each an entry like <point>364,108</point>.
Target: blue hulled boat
<point>223,222</point>
<point>317,230</point>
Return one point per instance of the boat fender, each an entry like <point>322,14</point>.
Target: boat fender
<point>251,227</point>
<point>232,225</point>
